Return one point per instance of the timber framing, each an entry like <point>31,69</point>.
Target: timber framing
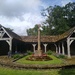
<point>58,41</point>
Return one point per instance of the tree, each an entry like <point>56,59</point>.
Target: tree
<point>32,31</point>
<point>69,11</point>
<point>59,22</point>
<point>59,19</point>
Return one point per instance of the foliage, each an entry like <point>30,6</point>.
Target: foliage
<point>29,52</point>
<point>70,13</point>
<point>15,56</point>
<point>49,52</point>
<point>32,31</point>
<point>59,19</point>
<point>61,56</point>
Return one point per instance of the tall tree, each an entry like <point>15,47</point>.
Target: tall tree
<point>69,11</point>
<point>58,20</point>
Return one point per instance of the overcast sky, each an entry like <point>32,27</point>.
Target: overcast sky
<point>23,14</point>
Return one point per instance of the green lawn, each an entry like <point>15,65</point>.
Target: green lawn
<point>8,71</point>
<point>54,61</point>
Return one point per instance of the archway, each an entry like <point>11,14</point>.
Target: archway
<point>72,48</point>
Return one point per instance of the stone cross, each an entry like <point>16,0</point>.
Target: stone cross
<point>39,38</point>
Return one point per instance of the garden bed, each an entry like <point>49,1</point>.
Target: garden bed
<point>52,64</point>
<point>49,62</point>
<point>25,66</point>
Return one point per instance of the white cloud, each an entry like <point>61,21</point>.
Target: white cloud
<point>64,2</point>
<point>17,8</point>
<point>20,14</point>
<point>23,14</point>
<point>20,27</point>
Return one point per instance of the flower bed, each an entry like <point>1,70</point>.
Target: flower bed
<point>43,57</point>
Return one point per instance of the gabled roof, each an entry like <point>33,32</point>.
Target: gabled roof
<point>43,38</point>
<point>34,38</point>
<point>12,34</point>
<point>48,38</point>
<point>66,34</point>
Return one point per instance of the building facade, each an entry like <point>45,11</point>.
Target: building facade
<point>61,44</point>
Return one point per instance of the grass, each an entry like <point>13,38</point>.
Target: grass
<point>54,61</point>
<point>8,71</point>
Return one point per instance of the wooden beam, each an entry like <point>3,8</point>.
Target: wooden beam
<point>34,45</point>
<point>68,47</point>
<point>71,41</point>
<point>4,38</point>
<point>59,48</point>
<point>6,32</point>
<point>3,34</point>
<point>8,41</point>
<point>45,47</point>
<point>56,48</point>
<point>63,52</point>
<point>10,48</point>
<point>72,38</point>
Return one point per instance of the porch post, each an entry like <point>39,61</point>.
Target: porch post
<point>59,48</point>
<point>10,47</point>
<point>56,48</point>
<point>34,45</point>
<point>45,46</point>
<point>68,47</point>
<point>63,49</point>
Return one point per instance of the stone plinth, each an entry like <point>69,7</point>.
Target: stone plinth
<point>38,53</point>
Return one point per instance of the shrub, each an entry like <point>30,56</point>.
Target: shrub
<point>16,56</point>
<point>49,52</point>
<point>61,56</point>
<point>29,52</point>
